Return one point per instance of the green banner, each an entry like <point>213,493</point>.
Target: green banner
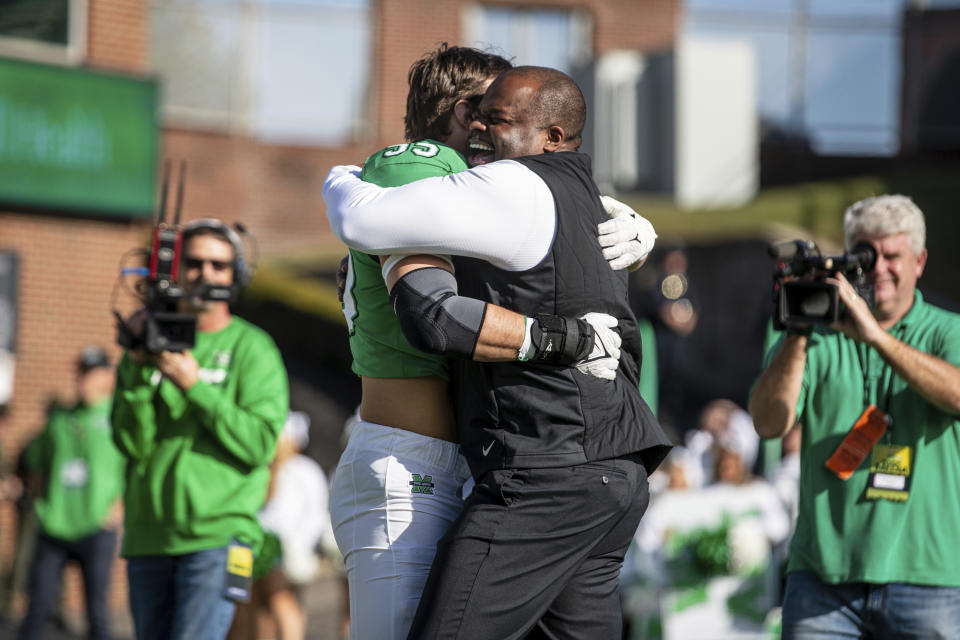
<point>76,140</point>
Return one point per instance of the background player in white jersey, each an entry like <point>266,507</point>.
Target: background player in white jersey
<point>396,489</point>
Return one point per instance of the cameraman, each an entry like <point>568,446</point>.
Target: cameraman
<point>873,555</point>
<point>199,429</point>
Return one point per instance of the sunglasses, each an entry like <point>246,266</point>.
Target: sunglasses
<point>197,263</point>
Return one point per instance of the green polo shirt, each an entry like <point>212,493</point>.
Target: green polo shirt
<point>841,535</point>
<point>82,467</point>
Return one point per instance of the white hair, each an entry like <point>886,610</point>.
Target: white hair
<point>885,215</point>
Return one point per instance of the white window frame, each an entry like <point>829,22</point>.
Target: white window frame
<point>72,54</point>
<point>581,27</point>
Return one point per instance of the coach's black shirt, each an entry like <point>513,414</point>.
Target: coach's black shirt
<point>522,415</point>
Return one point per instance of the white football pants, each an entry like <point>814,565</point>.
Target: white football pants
<point>394,494</point>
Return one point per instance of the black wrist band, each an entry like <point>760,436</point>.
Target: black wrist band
<point>559,340</point>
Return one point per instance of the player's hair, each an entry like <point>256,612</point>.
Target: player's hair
<point>886,215</point>
<point>439,80</point>
<point>558,101</point>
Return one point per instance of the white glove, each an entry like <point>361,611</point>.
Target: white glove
<point>605,356</point>
<point>627,238</point>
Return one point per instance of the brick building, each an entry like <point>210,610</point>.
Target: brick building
<point>68,261</point>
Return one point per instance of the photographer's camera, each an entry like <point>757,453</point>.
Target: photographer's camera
<point>802,296</point>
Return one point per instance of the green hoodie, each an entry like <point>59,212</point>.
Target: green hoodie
<point>83,470</point>
<point>197,469</point>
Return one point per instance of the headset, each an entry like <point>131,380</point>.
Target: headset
<point>166,328</point>
<point>243,270</point>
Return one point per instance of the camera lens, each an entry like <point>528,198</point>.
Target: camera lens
<point>815,304</point>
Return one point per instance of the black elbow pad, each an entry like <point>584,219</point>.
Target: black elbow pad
<point>433,318</point>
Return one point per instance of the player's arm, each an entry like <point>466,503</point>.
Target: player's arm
<point>434,318</point>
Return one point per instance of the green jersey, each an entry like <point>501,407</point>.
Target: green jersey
<point>376,342</point>
<point>843,534</point>
<point>82,468</point>
<point>197,469</point>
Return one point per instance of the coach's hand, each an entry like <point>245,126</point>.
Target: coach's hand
<point>605,356</point>
<point>627,238</point>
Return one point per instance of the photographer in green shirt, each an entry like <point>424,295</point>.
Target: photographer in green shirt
<point>199,428</point>
<point>874,553</point>
<point>77,474</point>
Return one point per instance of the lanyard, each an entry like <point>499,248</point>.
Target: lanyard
<point>885,380</point>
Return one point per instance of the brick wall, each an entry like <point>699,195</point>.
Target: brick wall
<point>67,266</point>
<point>276,191</point>
<point>117,35</point>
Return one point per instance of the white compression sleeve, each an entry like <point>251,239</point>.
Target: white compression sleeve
<point>503,213</point>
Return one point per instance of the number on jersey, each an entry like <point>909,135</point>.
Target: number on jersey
<point>422,149</point>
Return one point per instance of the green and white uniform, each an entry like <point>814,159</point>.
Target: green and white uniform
<point>197,462</point>
<point>395,492</point>
<point>376,342</point>
<point>843,534</point>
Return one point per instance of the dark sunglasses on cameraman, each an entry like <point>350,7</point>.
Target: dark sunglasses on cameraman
<point>197,263</point>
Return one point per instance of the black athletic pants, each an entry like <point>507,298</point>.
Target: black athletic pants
<point>538,552</point>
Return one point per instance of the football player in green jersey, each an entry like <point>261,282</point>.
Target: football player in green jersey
<point>398,484</point>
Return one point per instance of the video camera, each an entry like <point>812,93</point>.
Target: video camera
<point>801,294</point>
<point>166,328</point>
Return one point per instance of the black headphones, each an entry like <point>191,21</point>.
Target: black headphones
<point>242,270</point>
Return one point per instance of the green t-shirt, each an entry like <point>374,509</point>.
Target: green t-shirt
<point>197,469</point>
<point>378,346</point>
<point>82,467</point>
<point>841,535</point>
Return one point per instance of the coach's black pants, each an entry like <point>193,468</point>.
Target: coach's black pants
<point>536,551</point>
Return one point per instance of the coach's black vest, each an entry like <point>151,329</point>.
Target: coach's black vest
<point>520,415</point>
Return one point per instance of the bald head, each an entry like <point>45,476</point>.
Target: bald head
<point>558,101</point>
<point>527,111</point>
